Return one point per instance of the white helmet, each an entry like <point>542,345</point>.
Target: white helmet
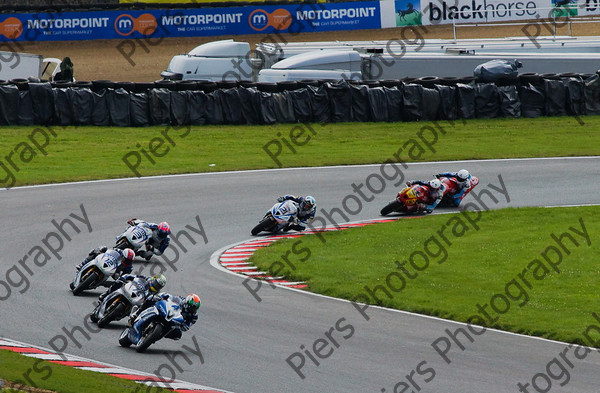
<point>462,175</point>
<point>435,184</point>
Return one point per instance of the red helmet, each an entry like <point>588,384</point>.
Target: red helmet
<point>163,229</point>
<point>128,254</point>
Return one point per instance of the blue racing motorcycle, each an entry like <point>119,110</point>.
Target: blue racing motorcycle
<point>152,324</point>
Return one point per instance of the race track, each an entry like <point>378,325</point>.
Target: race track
<point>244,343</point>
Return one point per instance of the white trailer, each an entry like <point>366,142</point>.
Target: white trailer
<point>16,65</point>
<point>230,60</point>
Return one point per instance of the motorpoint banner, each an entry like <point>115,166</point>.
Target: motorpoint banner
<point>113,24</point>
<point>295,18</point>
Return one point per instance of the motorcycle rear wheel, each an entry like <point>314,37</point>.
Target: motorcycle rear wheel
<point>113,311</point>
<point>85,284</point>
<point>264,225</point>
<point>393,206</point>
<point>150,337</point>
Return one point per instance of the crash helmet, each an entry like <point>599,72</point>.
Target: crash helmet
<point>462,175</point>
<point>163,229</point>
<point>435,184</point>
<point>156,283</point>
<point>308,203</point>
<point>191,303</point>
<point>128,254</point>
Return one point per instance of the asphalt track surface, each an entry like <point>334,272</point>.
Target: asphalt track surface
<point>245,343</point>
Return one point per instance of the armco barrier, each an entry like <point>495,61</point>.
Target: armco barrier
<point>107,103</point>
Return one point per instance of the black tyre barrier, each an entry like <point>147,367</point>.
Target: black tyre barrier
<point>246,84</point>
<point>448,80</point>
<point>267,87</point>
<point>21,83</point>
<point>226,84</point>
<point>506,81</point>
<point>465,80</point>
<point>369,83</point>
<point>550,76</point>
<point>207,86</point>
<point>98,85</point>
<point>62,84</point>
<point>3,82</point>
<point>142,87</point>
<point>287,86</point>
<point>428,81</point>
<point>308,82</point>
<point>338,101</point>
<point>408,79</point>
<point>568,75</point>
<point>585,77</point>
<point>185,85</point>
<point>83,84</point>
<point>390,83</point>
<point>530,77</point>
<point>164,84</point>
<point>127,86</point>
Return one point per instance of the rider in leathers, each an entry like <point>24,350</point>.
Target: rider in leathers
<point>159,241</point>
<point>463,181</point>
<point>435,193</point>
<point>307,207</point>
<point>189,311</point>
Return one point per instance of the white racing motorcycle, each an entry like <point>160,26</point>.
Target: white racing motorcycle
<point>279,217</point>
<point>134,237</point>
<point>95,273</point>
<point>118,304</point>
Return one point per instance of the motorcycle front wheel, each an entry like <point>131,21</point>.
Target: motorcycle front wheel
<point>86,283</point>
<point>151,335</point>
<point>265,224</point>
<point>393,206</point>
<point>116,309</point>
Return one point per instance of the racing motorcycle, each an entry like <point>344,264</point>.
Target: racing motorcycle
<point>406,201</point>
<point>118,304</point>
<point>95,273</point>
<point>134,237</point>
<point>449,199</point>
<point>152,324</point>
<point>280,216</point>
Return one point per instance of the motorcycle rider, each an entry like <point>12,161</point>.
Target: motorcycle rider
<point>433,195</point>
<point>124,258</point>
<point>307,208</point>
<point>189,306</point>
<point>463,181</point>
<point>152,285</point>
<point>159,241</point>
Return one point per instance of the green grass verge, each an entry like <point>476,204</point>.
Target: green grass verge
<point>84,153</point>
<point>63,379</point>
<point>360,264</point>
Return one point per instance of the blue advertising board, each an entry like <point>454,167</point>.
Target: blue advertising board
<point>70,26</point>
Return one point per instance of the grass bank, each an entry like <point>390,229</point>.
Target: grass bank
<point>509,264</point>
<point>31,155</point>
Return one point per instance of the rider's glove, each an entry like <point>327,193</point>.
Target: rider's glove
<point>409,183</point>
<point>280,199</point>
<point>131,222</point>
